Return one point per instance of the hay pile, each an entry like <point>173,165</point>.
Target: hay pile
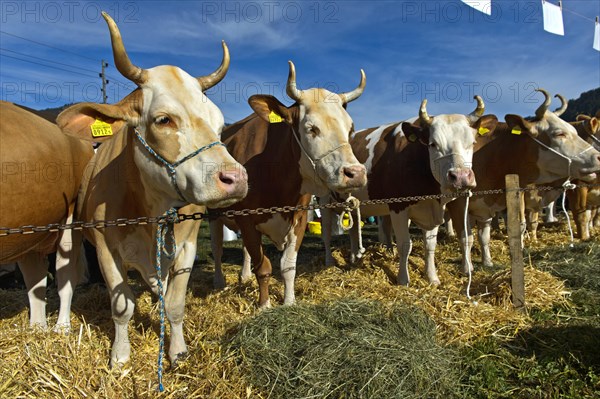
<point>347,348</point>
<point>47,365</point>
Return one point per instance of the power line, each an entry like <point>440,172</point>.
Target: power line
<point>49,46</point>
<point>114,80</point>
<point>47,60</point>
<point>48,66</point>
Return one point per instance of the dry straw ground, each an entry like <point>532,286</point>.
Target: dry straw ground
<point>40,364</point>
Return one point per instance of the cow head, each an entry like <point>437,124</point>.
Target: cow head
<point>172,120</point>
<point>451,139</point>
<point>321,125</point>
<point>561,152</point>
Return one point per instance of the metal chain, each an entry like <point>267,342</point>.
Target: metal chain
<point>145,220</point>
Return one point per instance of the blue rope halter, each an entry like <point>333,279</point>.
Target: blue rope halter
<point>171,166</point>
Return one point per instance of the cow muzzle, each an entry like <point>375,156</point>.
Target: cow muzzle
<point>233,183</point>
<point>353,177</point>
<point>461,179</point>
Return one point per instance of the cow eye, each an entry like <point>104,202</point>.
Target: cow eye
<point>433,145</point>
<point>561,135</point>
<point>162,120</point>
<point>314,130</point>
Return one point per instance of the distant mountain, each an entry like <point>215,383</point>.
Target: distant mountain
<point>50,114</point>
<point>588,103</point>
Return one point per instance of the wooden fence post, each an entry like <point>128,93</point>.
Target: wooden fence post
<point>513,227</point>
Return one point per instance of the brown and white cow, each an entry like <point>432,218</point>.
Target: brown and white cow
<point>541,151</point>
<point>402,160</point>
<point>290,153</point>
<point>167,120</point>
<point>41,172</point>
<point>584,200</point>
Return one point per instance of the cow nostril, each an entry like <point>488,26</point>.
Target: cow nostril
<point>452,176</point>
<point>349,173</point>
<point>225,179</point>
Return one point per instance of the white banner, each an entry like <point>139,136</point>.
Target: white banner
<point>597,36</point>
<point>553,20</point>
<point>485,6</point>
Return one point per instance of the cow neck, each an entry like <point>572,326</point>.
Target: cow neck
<point>171,167</point>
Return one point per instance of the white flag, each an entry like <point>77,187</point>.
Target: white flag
<point>485,6</point>
<point>553,20</point>
<point>597,36</point>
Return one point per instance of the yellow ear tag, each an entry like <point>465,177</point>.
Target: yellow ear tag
<point>483,130</point>
<point>274,118</point>
<point>516,130</point>
<point>101,129</point>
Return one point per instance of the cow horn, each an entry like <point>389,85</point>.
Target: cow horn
<point>539,113</point>
<point>354,94</point>
<point>563,105</point>
<point>122,62</point>
<point>208,81</point>
<point>291,89</point>
<point>423,115</point>
<point>480,106</point>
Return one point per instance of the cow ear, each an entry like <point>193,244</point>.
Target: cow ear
<point>485,125</point>
<point>415,133</point>
<point>91,121</point>
<point>517,124</point>
<point>594,125</point>
<point>270,109</point>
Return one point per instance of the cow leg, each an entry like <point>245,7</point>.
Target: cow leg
<point>578,204</point>
<point>400,223</point>
<point>532,221</point>
<point>430,237</point>
<point>483,234</point>
<point>457,210</point>
<point>356,250</point>
<point>384,230</point>
<point>550,217</point>
<point>122,303</point>
<point>261,265</point>
<point>175,298</point>
<point>246,274</point>
<point>216,244</point>
<point>450,232</point>
<point>326,220</point>
<point>69,249</point>
<point>34,268</point>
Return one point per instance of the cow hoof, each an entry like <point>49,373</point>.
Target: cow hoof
<point>219,283</point>
<point>434,282</point>
<point>266,305</point>
<point>179,359</point>
<point>402,281</point>
<point>245,279</point>
<point>63,329</point>
<point>119,366</point>
<point>487,263</point>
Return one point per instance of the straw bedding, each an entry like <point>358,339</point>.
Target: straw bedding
<point>345,309</point>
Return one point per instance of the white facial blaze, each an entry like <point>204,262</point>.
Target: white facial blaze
<point>323,128</point>
<point>451,140</point>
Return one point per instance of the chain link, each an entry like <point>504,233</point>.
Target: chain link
<point>145,220</point>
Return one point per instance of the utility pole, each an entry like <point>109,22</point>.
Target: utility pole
<point>104,81</point>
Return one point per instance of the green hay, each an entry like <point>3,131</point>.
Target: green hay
<point>346,348</point>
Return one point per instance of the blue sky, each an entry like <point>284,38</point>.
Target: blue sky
<point>440,50</point>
